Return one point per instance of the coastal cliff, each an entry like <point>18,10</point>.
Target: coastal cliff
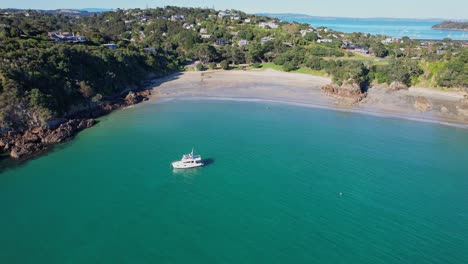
<point>22,144</point>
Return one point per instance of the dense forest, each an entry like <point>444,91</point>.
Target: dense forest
<point>55,64</point>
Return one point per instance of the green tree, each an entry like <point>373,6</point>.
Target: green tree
<point>379,49</point>
<point>224,65</point>
<point>206,53</point>
<point>311,37</point>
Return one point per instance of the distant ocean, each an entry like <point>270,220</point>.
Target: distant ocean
<point>413,28</point>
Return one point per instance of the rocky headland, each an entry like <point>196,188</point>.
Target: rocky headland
<point>34,140</point>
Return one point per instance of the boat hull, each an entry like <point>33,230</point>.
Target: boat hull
<point>181,165</point>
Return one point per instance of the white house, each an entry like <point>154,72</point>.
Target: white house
<point>324,40</point>
<point>188,26</point>
<point>243,42</point>
<point>235,17</point>
<point>110,46</point>
<point>265,40</point>
<point>270,24</point>
<point>223,14</point>
<point>305,31</point>
<point>177,18</point>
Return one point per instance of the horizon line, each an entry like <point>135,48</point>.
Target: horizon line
<point>253,13</point>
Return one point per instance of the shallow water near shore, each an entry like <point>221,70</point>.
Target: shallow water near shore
<point>284,184</point>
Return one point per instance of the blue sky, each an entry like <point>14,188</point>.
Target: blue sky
<point>453,9</point>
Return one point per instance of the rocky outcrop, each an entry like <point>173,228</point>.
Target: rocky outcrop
<point>350,93</point>
<point>21,145</point>
<point>422,104</point>
<point>395,86</point>
<point>67,130</point>
<point>136,97</point>
<point>38,139</point>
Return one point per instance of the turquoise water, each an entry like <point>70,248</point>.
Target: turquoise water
<point>397,28</point>
<point>270,193</point>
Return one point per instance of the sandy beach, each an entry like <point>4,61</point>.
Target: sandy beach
<point>420,104</point>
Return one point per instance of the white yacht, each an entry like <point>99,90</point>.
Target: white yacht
<point>188,161</point>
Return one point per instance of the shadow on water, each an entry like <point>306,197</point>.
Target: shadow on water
<point>208,162</point>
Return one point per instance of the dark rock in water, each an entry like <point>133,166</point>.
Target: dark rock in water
<point>86,123</point>
<point>25,150</point>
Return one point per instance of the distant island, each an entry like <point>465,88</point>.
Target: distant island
<point>451,25</point>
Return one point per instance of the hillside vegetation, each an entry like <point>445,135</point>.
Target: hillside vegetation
<point>54,64</point>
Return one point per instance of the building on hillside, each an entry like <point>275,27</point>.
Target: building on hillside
<point>305,31</point>
<point>177,18</point>
<point>352,47</point>
<point>224,14</point>
<point>150,50</point>
<point>188,26</point>
<point>203,30</point>
<point>220,42</point>
<point>205,36</point>
<point>270,24</point>
<point>235,17</point>
<point>265,40</point>
<point>324,40</point>
<point>243,42</point>
<point>66,37</point>
<point>390,41</point>
<point>111,46</point>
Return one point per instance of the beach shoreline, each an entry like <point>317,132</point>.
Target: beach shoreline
<point>270,86</point>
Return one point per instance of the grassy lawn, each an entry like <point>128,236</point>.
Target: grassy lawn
<point>357,57</point>
<point>304,70</point>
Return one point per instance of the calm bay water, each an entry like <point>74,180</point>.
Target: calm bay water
<point>397,28</point>
<point>270,193</point>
